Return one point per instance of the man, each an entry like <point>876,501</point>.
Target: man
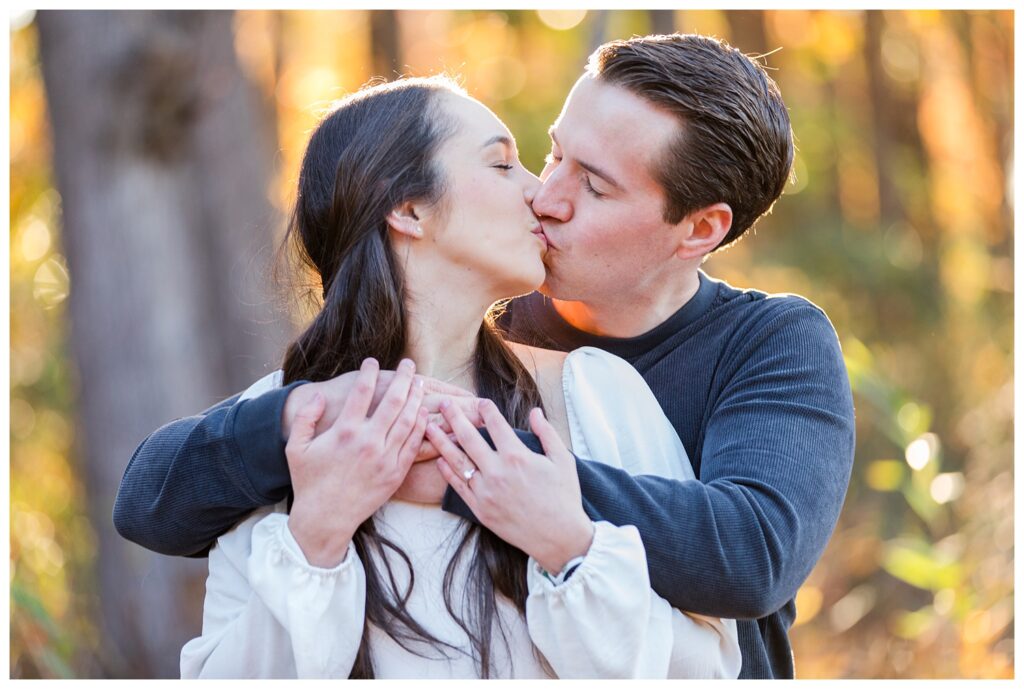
<point>668,148</point>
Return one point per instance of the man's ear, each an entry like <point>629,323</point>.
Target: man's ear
<point>405,221</point>
<point>704,229</point>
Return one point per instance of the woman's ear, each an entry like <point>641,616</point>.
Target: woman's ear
<point>404,220</point>
<point>704,229</point>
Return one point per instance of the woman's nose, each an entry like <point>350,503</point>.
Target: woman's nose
<point>530,187</point>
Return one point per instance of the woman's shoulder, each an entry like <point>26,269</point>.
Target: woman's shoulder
<point>598,384</point>
<point>615,418</point>
<point>265,384</point>
<point>598,366</point>
<point>553,369</point>
<point>592,356</point>
<point>537,358</point>
<point>546,365</point>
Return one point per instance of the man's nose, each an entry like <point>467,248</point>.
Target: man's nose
<point>550,200</point>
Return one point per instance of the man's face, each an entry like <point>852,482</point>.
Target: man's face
<point>599,203</point>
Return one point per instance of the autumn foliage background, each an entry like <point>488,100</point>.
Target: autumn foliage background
<point>898,223</point>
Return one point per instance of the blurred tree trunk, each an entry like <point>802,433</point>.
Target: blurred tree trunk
<point>163,157</point>
<point>384,44</point>
<point>884,111</point>
<point>662,21</point>
<point>747,30</point>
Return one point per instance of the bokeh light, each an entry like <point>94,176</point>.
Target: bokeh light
<point>898,223</point>
<point>561,20</point>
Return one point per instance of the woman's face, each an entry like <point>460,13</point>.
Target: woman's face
<point>485,225</point>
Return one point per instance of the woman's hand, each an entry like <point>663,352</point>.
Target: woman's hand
<point>529,500</point>
<point>468,403</point>
<point>344,474</point>
<point>424,483</point>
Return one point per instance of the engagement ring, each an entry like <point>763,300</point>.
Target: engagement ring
<point>468,474</point>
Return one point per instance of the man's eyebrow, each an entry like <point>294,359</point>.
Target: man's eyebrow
<point>589,167</point>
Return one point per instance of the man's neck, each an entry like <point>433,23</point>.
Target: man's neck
<point>627,315</point>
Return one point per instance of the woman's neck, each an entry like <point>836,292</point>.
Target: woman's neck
<point>443,332</point>
<point>446,303</point>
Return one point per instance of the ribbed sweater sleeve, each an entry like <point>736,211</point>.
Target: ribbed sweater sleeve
<point>194,478</point>
<point>776,459</point>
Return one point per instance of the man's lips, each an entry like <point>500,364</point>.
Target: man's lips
<point>539,230</point>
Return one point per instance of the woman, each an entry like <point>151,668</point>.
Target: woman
<point>415,212</point>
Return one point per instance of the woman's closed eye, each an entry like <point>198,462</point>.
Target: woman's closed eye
<point>503,166</point>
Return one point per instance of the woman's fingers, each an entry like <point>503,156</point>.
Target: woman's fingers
<point>427,450</point>
<point>468,405</point>
<point>432,403</point>
<point>357,404</point>
<point>399,431</point>
<point>554,448</point>
<point>394,399</point>
<point>468,437</point>
<point>456,458</point>
<point>458,484</point>
<point>304,424</point>
<point>505,439</point>
<point>410,448</point>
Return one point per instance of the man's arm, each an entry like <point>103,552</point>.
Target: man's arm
<point>775,465</point>
<point>194,478</point>
<point>776,461</point>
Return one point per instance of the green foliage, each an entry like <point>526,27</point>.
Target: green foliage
<point>897,224</point>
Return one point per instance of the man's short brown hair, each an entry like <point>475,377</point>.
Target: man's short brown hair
<point>735,143</point>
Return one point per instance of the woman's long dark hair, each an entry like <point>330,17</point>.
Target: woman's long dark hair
<point>368,156</point>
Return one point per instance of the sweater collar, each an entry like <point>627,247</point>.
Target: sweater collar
<point>544,319</point>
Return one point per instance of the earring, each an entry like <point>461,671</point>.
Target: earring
<point>419,230</point>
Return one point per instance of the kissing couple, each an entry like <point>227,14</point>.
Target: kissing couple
<point>525,435</point>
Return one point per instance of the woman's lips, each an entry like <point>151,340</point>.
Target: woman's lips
<point>538,232</point>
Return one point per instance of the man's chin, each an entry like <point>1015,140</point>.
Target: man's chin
<point>553,288</point>
<point>549,288</point>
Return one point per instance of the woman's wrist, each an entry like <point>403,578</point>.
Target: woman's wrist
<point>571,542</point>
<point>323,544</point>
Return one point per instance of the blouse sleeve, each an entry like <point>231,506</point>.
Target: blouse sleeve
<point>269,613</point>
<point>607,622</point>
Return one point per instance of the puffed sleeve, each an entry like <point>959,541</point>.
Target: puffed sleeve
<point>606,621</point>
<point>268,613</point>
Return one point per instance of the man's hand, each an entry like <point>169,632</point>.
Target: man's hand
<point>529,500</point>
<point>336,390</point>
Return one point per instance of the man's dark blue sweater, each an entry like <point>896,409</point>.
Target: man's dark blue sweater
<point>754,385</point>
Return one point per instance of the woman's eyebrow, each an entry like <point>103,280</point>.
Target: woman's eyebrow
<point>499,139</point>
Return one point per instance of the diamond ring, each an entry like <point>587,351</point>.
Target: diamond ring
<point>468,474</point>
